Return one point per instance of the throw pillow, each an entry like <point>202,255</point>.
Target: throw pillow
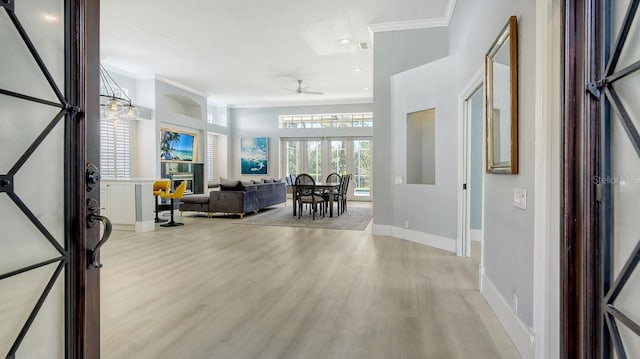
<point>228,184</point>
<point>228,188</point>
<point>228,181</point>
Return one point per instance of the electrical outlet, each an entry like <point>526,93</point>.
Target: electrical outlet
<point>532,338</point>
<point>406,224</point>
<point>515,303</point>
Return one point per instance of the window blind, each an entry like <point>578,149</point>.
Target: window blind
<point>211,145</point>
<point>115,149</point>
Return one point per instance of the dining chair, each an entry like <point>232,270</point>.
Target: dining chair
<point>332,178</point>
<point>306,194</point>
<point>343,193</point>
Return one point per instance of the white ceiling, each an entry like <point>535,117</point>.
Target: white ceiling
<point>240,52</point>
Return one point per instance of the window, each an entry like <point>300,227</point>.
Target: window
<point>362,168</point>
<point>211,145</point>
<point>115,148</point>
<point>327,120</point>
<point>339,157</point>
<point>314,160</point>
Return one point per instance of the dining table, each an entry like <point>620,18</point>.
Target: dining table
<point>329,187</point>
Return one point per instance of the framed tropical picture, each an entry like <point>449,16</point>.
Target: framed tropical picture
<point>254,155</point>
<point>178,146</point>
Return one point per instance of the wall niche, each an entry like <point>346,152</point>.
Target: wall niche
<point>182,105</point>
<point>421,147</point>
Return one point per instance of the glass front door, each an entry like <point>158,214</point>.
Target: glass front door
<point>41,245</point>
<point>621,181</point>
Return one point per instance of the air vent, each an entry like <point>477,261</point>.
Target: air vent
<point>364,46</point>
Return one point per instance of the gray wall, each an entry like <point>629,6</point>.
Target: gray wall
<point>476,171</point>
<point>395,52</point>
<point>172,107</point>
<point>508,231</point>
<point>429,209</point>
<point>264,122</point>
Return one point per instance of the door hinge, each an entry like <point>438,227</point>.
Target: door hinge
<point>594,88</point>
<point>464,186</point>
<point>600,192</point>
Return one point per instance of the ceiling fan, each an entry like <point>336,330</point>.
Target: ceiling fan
<point>301,90</point>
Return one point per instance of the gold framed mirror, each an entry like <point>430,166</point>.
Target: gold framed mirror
<point>501,113</point>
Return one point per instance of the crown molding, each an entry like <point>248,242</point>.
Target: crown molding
<point>409,25</point>
<point>416,24</point>
<point>181,86</point>
<point>449,14</point>
<point>331,102</point>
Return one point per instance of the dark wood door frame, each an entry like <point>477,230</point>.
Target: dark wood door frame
<point>86,142</point>
<point>580,277</point>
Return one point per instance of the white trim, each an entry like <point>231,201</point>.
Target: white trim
<point>427,239</point>
<point>512,325</point>
<point>409,25</point>
<point>146,226</point>
<point>382,230</point>
<point>463,237</point>
<point>293,103</point>
<point>181,86</point>
<point>415,24</point>
<point>546,270</point>
<point>449,14</point>
<point>476,235</point>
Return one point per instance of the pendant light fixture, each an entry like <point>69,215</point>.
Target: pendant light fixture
<point>116,104</point>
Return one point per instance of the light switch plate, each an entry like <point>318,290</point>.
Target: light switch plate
<point>398,180</point>
<point>520,198</point>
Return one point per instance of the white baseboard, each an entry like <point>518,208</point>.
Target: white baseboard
<point>124,227</point>
<point>382,230</point>
<point>427,239</point>
<point>146,226</point>
<point>476,235</point>
<point>516,330</point>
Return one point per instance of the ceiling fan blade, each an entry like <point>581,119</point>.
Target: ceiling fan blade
<point>312,93</point>
<point>288,89</point>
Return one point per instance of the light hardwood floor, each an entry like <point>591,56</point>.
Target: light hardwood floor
<point>218,289</point>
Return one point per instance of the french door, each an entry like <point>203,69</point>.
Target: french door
<point>321,156</point>
<point>49,305</point>
<point>601,247</point>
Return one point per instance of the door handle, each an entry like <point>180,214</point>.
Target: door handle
<point>92,254</point>
<point>92,218</point>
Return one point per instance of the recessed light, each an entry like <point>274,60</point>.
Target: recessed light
<point>50,17</point>
<point>356,70</point>
<point>344,41</point>
<point>366,89</point>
